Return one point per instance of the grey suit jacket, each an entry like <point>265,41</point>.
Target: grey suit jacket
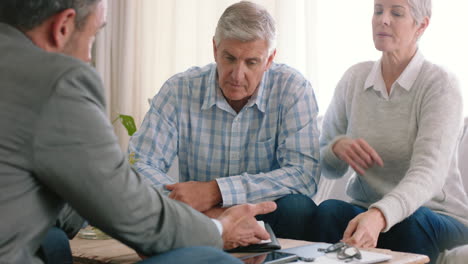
<point>57,146</point>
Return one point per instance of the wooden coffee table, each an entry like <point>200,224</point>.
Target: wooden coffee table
<point>112,251</point>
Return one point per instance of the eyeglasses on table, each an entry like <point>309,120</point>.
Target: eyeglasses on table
<point>343,251</point>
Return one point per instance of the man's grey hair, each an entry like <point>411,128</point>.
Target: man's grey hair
<point>246,21</point>
<point>420,9</point>
<point>28,14</point>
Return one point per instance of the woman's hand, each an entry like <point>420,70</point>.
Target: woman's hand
<point>357,153</point>
<point>363,231</point>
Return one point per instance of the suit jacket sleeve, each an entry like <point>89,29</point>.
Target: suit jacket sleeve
<point>69,221</point>
<point>77,156</point>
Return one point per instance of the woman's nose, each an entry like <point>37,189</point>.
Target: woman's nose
<point>385,19</point>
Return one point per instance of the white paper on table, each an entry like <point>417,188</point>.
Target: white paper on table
<point>368,257</point>
<point>262,224</point>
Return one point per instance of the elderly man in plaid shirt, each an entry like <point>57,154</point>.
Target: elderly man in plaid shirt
<point>244,128</point>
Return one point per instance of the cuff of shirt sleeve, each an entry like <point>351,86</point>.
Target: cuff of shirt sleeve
<point>232,190</point>
<point>218,225</point>
<point>161,189</point>
<point>329,156</point>
<point>392,210</point>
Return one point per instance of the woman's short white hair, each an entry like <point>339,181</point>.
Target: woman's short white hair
<point>246,21</point>
<point>420,9</point>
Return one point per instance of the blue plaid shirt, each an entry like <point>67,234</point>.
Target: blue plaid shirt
<point>267,150</point>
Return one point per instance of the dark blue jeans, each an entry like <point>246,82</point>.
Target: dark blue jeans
<point>195,255</point>
<point>55,249</point>
<point>292,218</point>
<point>424,232</point>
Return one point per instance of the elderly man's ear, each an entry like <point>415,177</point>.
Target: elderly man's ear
<point>215,49</point>
<point>270,59</point>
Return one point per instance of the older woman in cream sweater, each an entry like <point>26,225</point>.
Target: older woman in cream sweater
<point>396,122</point>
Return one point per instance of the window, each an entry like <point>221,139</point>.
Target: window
<point>344,38</point>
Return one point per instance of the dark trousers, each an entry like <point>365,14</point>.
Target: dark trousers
<point>424,232</point>
<point>196,255</point>
<point>292,218</point>
<point>55,248</point>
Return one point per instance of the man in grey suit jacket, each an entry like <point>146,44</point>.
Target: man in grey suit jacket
<point>57,146</point>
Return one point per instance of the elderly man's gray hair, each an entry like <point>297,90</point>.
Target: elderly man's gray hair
<point>28,14</point>
<point>420,9</point>
<point>246,21</point>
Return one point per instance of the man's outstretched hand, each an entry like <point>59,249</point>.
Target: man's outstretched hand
<point>240,228</point>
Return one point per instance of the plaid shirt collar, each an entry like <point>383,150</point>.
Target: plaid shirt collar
<point>214,96</point>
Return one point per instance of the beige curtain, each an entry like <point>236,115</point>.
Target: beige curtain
<point>119,61</point>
